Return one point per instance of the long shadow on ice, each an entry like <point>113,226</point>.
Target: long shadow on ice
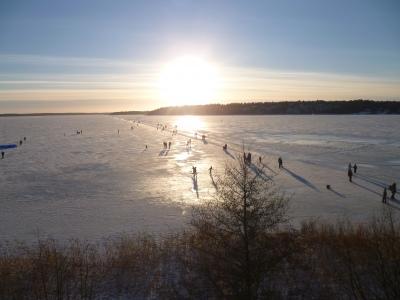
<point>228,153</point>
<point>195,185</point>
<point>366,188</point>
<point>163,152</point>
<point>301,179</point>
<point>371,180</point>
<point>337,193</point>
<point>269,168</point>
<point>260,172</point>
<point>213,182</point>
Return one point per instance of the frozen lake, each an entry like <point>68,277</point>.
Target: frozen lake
<point>102,183</point>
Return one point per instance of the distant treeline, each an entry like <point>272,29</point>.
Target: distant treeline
<point>285,108</point>
<point>134,112</point>
<point>260,108</point>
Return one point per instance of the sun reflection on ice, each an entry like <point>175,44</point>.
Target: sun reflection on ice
<point>189,123</point>
<point>183,156</point>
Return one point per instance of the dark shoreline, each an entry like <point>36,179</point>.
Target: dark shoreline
<point>319,107</point>
<point>145,114</point>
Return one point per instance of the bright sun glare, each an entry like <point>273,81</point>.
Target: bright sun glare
<point>189,124</point>
<point>188,80</point>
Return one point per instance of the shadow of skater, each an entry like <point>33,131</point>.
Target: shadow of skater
<point>366,188</point>
<point>267,167</point>
<point>228,153</point>
<point>163,152</point>
<point>213,181</point>
<point>301,179</point>
<point>260,172</point>
<point>371,180</point>
<point>195,185</point>
<point>336,192</point>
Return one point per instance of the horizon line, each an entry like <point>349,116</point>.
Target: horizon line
<point>182,106</point>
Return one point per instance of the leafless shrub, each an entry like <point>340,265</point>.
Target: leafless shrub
<point>232,233</point>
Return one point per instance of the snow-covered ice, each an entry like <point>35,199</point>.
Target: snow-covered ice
<point>102,183</point>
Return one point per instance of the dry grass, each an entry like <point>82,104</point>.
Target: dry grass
<point>319,261</point>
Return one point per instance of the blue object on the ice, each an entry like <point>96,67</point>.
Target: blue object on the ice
<point>7,146</point>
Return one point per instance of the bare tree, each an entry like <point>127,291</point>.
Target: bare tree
<point>232,232</point>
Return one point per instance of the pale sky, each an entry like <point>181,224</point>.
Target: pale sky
<point>100,56</point>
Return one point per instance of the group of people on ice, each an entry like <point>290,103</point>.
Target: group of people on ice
<point>351,170</point>
<point>247,158</point>
<point>167,145</point>
<point>161,127</point>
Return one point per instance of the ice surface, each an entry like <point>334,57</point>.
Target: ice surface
<point>102,183</point>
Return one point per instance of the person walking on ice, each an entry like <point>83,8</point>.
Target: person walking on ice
<point>194,170</point>
<point>384,196</point>
<point>350,174</point>
<point>2,154</point>
<point>280,163</point>
<point>355,168</point>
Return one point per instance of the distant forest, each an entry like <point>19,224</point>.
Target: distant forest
<point>261,108</point>
<point>285,108</point>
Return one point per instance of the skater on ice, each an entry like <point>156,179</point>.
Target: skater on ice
<point>280,163</point>
<point>350,174</point>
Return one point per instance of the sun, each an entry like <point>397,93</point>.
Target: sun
<point>188,80</point>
